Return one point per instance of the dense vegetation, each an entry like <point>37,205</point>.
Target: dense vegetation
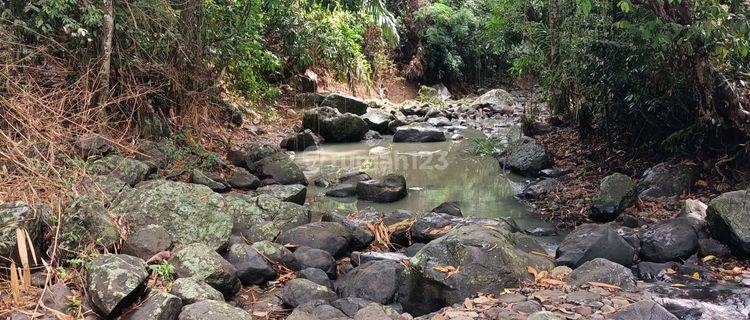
<point>655,74</point>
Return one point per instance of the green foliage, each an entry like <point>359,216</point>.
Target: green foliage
<point>522,41</point>
<point>486,146</point>
<point>429,95</point>
<point>184,155</point>
<point>165,270</point>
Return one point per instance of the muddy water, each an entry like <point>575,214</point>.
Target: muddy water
<point>435,172</point>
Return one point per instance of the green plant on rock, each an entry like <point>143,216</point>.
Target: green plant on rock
<point>429,95</point>
<point>164,271</point>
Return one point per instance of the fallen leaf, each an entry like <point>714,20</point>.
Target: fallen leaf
<point>448,270</point>
<point>604,285</point>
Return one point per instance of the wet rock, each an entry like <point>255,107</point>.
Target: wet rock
<point>158,306</point>
<point>332,237</point>
<point>555,172</point>
<point>334,126</point>
<point>538,188</point>
<point>209,180</point>
<point>605,271</point>
<point>315,258</point>
<point>350,306</point>
<point>727,217</point>
<point>541,232</point>
<point>616,192</point>
<point>418,133</point>
<point>434,225</point>
<point>211,309</point>
<point>497,100</point>
<point>93,145</point>
<point>654,271</point>
<point>301,141</point>
<point>395,124</point>
<point>666,180</point>
<point>276,253</point>
<point>190,291</point>
<point>345,103</point>
<point>251,267</point>
<point>643,310</point>
<point>527,157</point>
<point>317,310</point>
<point>243,179</point>
<point>145,242</point>
<point>13,215</point>
<point>459,264</point>
<point>376,281</point>
<point>114,281</point>
<point>281,168</point>
<point>712,247</point>
<point>204,264</point>
<point>375,311</point>
<point>57,297</point>
<point>413,249</point>
<point>389,188</point>
<point>668,240</point>
<point>591,241</point>
<point>378,120</point>
<point>295,193</point>
<point>439,121</point>
<point>299,291</point>
<point>316,275</point>
<point>359,258</point>
<point>175,206</point>
<point>372,135</point>
<point>449,207</point>
<point>103,188</point>
<point>263,217</point>
<point>347,185</point>
<point>128,170</point>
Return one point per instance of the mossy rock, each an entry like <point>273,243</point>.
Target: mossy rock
<point>263,217</point>
<point>114,281</point>
<point>131,171</point>
<point>728,217</point>
<point>202,263</point>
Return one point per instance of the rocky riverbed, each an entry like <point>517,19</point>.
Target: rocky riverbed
<point>268,237</point>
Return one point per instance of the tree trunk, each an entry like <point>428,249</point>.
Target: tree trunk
<point>108,23</point>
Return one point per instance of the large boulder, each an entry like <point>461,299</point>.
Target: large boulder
<point>177,206</point>
<point>496,100</point>
<point>263,217</point>
<point>212,309</point>
<point>251,267</point>
<point>213,181</point>
<point>316,275</point>
<point>114,281</point>
<point>668,240</point>
<point>527,157</point>
<point>538,188</point>
<point>604,271</point>
<point>295,193</point>
<point>192,290</point>
<point>389,188</point>
<point>243,179</point>
<point>334,126</point>
<point>616,192</point>
<point>315,258</point>
<point>345,103</point>
<point>299,291</point>
<point>203,264</point>
<point>666,179</point>
<point>347,185</point>
<point>99,226</point>
<point>418,133</point>
<point>332,237</point>
<point>591,241</point>
<point>105,189</point>
<point>281,168</point>
<point>377,281</point>
<point>131,171</point>
<point>449,207</point>
<point>301,141</point>
<point>276,253</point>
<point>436,224</point>
<point>643,310</point>
<point>378,120</point>
<point>728,216</point>
<point>467,260</point>
<point>159,305</point>
<point>144,243</point>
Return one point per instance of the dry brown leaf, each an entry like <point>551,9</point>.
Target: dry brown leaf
<point>436,231</point>
<point>604,285</point>
<point>448,270</point>
<point>552,282</point>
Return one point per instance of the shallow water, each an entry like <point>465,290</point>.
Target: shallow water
<point>435,172</point>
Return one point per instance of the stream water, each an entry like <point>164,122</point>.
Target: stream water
<point>435,172</point>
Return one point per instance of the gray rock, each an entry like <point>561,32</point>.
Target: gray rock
<point>375,311</point>
<point>712,247</point>
<point>350,306</point>
<point>57,297</point>
<point>211,309</point>
<point>395,124</point>
<point>527,157</point>
<point>439,121</point>
<point>243,179</point>
<point>359,258</point>
<point>114,281</point>
<point>264,217</point>
<point>376,281</point>
<point>378,120</point>
<point>666,180</point>
<point>347,185</point>
<point>246,157</point>
<point>372,135</point>
<point>668,240</point>
<point>128,170</point>
<point>281,168</point>
<point>158,306</point>
<point>345,103</point>
<point>434,225</point>
<point>497,100</point>
<point>99,226</point>
<point>251,267</point>
<point>332,237</point>
<point>605,271</point>
<point>728,216</point>
<point>93,145</point>
<point>653,271</point>
<point>156,154</point>
<point>104,189</point>
<point>203,264</point>
<point>315,258</point>
<point>199,177</point>
<point>389,188</point>
<point>413,249</point>
<point>616,192</point>
<point>538,188</point>
<point>527,307</point>
<point>301,141</point>
<point>316,275</point>
<point>694,211</point>
<point>145,242</point>
<point>418,133</point>
<point>476,268</point>
<point>13,215</point>
<point>276,253</point>
<point>177,206</point>
<point>334,126</point>
<point>191,291</point>
<point>643,310</point>
<point>449,207</point>
<point>299,291</point>
<point>317,310</point>
<point>590,241</point>
<point>545,315</point>
<point>295,193</point>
